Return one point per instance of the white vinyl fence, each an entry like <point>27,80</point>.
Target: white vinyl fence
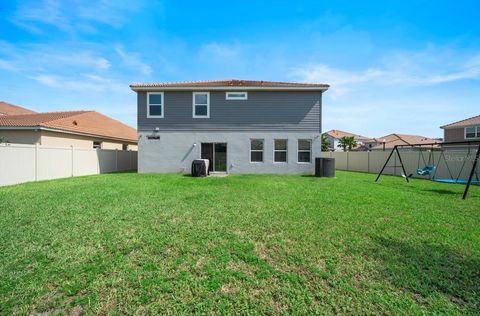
<point>454,163</point>
<point>23,163</point>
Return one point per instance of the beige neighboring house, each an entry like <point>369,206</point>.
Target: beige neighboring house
<point>334,136</point>
<point>464,130</point>
<point>81,129</point>
<point>387,142</point>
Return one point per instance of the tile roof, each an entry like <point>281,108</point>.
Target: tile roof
<point>231,83</point>
<point>475,120</point>
<point>11,109</point>
<point>335,133</point>
<point>82,122</point>
<point>394,139</point>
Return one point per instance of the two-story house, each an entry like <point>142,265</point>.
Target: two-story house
<point>464,130</point>
<point>334,136</point>
<point>241,126</point>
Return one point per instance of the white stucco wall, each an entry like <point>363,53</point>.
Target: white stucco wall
<point>333,143</point>
<point>175,151</point>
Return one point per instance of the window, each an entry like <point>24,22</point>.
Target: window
<point>155,104</point>
<point>304,150</point>
<point>256,150</point>
<point>124,146</point>
<point>236,95</point>
<point>472,132</point>
<point>201,105</point>
<point>97,145</point>
<point>280,150</point>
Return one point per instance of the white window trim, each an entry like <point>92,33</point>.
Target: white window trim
<point>208,105</point>
<point>477,130</point>
<point>227,97</point>
<point>256,150</point>
<point>303,150</point>
<point>280,150</point>
<point>162,105</point>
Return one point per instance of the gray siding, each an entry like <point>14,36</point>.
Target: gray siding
<point>263,111</point>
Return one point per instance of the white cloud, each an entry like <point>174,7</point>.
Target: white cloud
<point>46,11</point>
<point>133,60</point>
<point>70,68</point>
<point>88,82</point>
<point>47,80</point>
<point>37,57</point>
<point>218,50</point>
<point>86,58</point>
<point>72,15</point>
<point>340,80</point>
<point>8,65</point>
<point>403,70</point>
<point>221,53</point>
<point>402,92</point>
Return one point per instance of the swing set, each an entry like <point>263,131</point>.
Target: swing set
<point>429,168</point>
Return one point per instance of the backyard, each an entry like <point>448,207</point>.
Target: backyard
<point>129,243</point>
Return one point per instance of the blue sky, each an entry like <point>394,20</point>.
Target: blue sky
<point>405,67</point>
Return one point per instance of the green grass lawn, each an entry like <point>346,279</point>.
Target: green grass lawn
<point>148,244</point>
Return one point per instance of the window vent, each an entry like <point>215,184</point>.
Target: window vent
<point>236,95</point>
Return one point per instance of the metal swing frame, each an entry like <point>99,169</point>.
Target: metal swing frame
<point>469,143</point>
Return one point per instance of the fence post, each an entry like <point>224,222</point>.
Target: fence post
<point>394,165</point>
<point>130,160</point>
<point>36,161</point>
<point>116,159</point>
<point>71,148</point>
<point>348,161</point>
<point>368,161</point>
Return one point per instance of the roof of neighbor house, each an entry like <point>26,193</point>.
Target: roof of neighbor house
<point>11,109</point>
<point>394,139</point>
<point>335,133</point>
<point>89,123</point>
<point>233,84</point>
<point>475,120</point>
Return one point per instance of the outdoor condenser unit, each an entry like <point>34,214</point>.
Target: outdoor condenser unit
<point>325,167</point>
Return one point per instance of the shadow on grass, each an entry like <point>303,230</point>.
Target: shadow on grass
<point>417,189</point>
<point>426,269</point>
<point>441,191</point>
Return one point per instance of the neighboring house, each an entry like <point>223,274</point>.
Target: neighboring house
<point>334,136</point>
<point>83,129</point>
<point>464,130</point>
<point>10,109</point>
<point>387,142</point>
<point>241,126</point>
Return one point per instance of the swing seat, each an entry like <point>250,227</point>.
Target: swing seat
<point>425,171</point>
<point>457,181</point>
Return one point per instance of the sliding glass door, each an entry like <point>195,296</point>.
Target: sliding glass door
<point>217,154</point>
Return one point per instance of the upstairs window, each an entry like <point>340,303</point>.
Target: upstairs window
<point>155,104</point>
<point>472,132</point>
<point>280,150</point>
<point>201,105</point>
<point>304,150</point>
<point>256,150</point>
<point>236,95</point>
